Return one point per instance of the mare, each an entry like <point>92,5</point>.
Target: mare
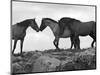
<point>79,28</point>
<point>19,31</point>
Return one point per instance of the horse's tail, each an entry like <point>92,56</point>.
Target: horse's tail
<point>94,28</point>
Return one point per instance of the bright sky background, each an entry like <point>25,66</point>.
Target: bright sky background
<point>44,40</point>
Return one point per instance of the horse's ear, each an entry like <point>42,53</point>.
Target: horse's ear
<point>41,18</point>
<point>34,19</point>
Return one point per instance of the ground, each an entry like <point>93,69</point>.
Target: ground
<point>54,60</point>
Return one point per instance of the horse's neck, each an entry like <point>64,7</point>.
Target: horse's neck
<point>24,27</point>
<point>54,27</point>
<point>56,30</point>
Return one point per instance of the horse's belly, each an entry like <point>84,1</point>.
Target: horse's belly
<point>83,34</point>
<point>66,34</point>
<point>84,31</point>
<point>18,35</point>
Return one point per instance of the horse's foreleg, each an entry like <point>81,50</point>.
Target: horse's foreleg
<point>21,43</point>
<point>56,43</point>
<point>15,42</point>
<point>77,43</point>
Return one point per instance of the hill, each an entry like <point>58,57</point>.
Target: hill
<point>53,60</point>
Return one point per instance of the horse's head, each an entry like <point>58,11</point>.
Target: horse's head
<point>43,24</point>
<point>34,25</point>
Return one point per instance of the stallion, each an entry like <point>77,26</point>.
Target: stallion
<point>19,31</point>
<point>54,26</point>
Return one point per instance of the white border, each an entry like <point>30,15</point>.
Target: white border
<point>5,37</point>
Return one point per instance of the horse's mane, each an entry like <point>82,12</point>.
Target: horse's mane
<point>24,23</point>
<point>72,19</point>
<point>50,19</point>
<point>67,21</point>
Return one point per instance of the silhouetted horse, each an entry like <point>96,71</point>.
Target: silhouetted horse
<point>19,31</point>
<point>54,26</point>
<point>79,28</point>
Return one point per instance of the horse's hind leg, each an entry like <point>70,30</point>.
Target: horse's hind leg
<point>15,42</point>
<point>94,40</point>
<point>21,43</point>
<point>92,45</point>
<point>56,43</point>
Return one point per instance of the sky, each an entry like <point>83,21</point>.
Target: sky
<point>44,40</point>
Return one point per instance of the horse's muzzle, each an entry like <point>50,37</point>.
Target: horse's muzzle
<point>38,30</point>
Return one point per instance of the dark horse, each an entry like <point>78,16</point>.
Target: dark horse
<point>54,26</point>
<point>19,31</point>
<point>79,28</point>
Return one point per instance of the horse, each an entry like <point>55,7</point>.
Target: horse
<point>18,31</point>
<point>54,26</point>
<point>79,28</point>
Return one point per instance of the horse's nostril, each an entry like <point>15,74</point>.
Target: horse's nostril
<point>38,30</point>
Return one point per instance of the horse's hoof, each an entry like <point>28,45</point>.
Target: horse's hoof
<point>70,49</point>
<point>21,55</point>
<point>92,46</point>
<point>77,48</point>
<point>12,53</point>
<point>57,49</point>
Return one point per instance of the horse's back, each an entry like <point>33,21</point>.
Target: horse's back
<point>91,25</point>
<point>83,28</point>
